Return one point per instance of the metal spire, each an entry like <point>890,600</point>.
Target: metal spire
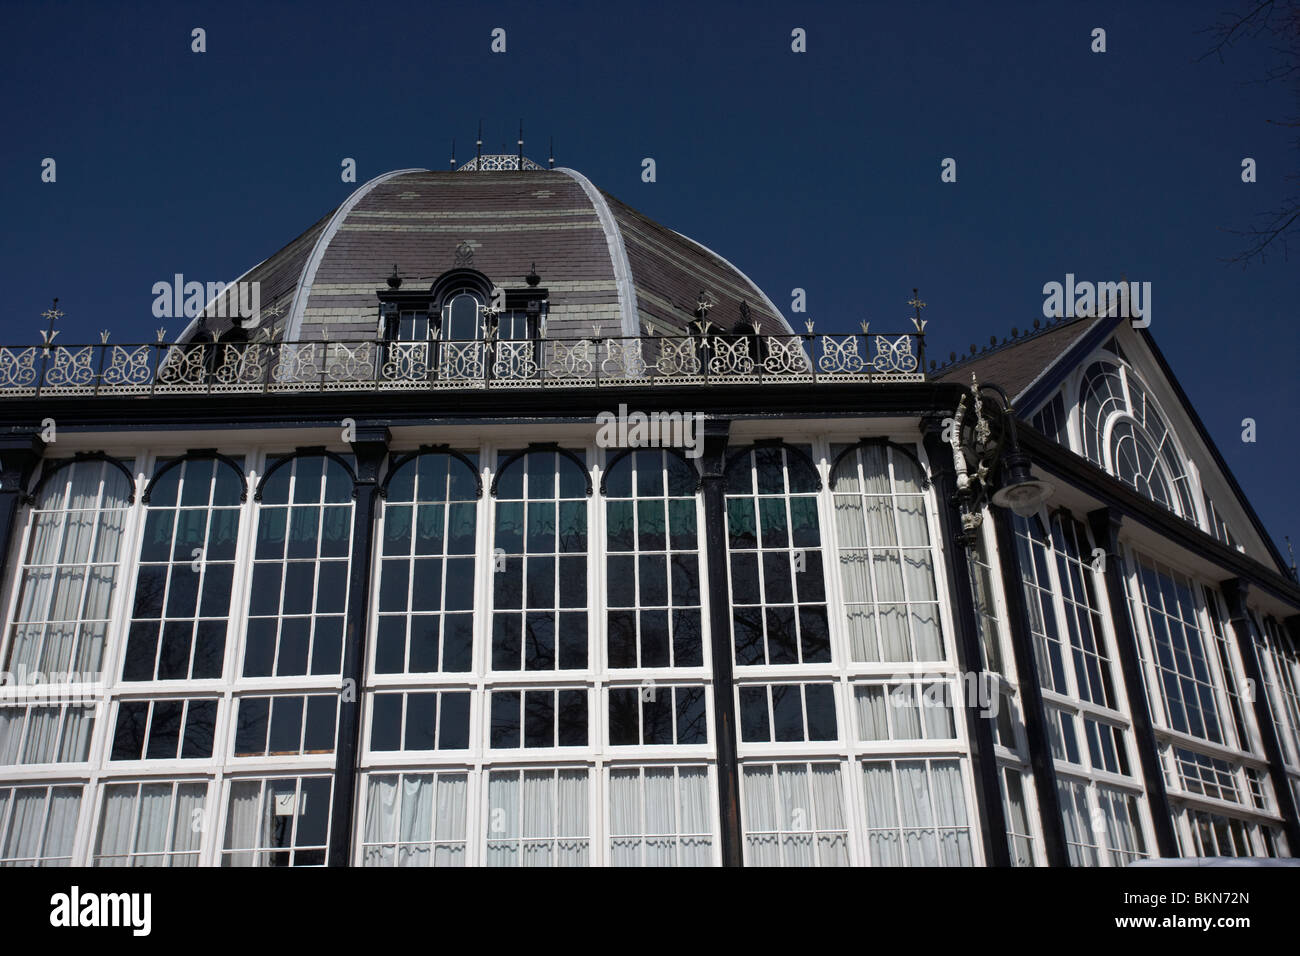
<point>550,162</point>
<point>453,152</point>
<point>520,167</point>
<point>478,148</point>
<point>918,305</point>
<point>51,313</point>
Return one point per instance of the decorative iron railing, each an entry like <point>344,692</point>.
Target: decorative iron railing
<point>224,367</point>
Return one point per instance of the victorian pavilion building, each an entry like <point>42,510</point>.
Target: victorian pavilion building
<point>358,581</point>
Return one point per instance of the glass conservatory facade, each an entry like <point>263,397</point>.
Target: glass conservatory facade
<point>395,597</point>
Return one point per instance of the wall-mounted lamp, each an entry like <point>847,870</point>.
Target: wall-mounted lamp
<point>976,455</point>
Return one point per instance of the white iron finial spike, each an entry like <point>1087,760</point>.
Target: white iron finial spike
<point>920,324</point>
<point>103,336</point>
<point>866,327</point>
<point>808,324</point>
<point>162,333</point>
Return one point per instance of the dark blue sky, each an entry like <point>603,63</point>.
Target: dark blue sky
<point>818,170</point>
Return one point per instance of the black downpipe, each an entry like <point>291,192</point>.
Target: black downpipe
<point>370,447</point>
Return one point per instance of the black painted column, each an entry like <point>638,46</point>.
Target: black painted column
<point>370,447</point>
<point>984,765</point>
<point>1248,641</point>
<point>1105,524</point>
<point>714,492</point>
<point>20,452</point>
<point>1031,695</point>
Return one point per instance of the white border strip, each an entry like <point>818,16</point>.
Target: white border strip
<point>617,252</point>
<point>194,322</point>
<point>754,285</point>
<point>293,326</point>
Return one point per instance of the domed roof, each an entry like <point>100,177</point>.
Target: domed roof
<point>601,262</point>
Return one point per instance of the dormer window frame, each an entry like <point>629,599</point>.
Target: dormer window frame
<point>525,308</point>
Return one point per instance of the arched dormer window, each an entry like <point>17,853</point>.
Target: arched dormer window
<point>1125,432</point>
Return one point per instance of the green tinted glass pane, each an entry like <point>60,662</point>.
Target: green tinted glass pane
<point>573,526</point>
<point>650,525</point>
<point>429,528</point>
<point>740,523</point>
<point>336,527</point>
<point>681,523</point>
<point>803,522</point>
<point>462,520</point>
<point>772,523</point>
<point>271,525</point>
<point>618,525</point>
<point>510,526</point>
<point>541,526</point>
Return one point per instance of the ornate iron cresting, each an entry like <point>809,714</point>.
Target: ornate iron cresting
<point>366,365</point>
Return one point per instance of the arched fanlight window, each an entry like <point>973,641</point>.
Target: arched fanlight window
<point>1125,433</point>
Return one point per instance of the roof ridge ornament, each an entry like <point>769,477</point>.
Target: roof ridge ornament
<point>52,314</point>
<point>918,305</point>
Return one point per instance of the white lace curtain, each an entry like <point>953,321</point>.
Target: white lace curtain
<point>59,734</point>
<point>886,563</point>
<point>151,824</point>
<point>794,815</point>
<point>415,820</point>
<point>899,711</point>
<point>538,818</point>
<point>38,825</point>
<point>68,575</point>
<point>659,816</point>
<point>916,813</point>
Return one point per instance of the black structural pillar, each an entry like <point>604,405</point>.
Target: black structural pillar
<point>370,445</point>
<point>984,765</point>
<point>20,452</point>
<point>713,487</point>
<point>1105,524</point>
<point>1031,695</point>
<point>1248,642</point>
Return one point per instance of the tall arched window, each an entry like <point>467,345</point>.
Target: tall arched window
<point>653,567</point>
<point>1125,433</point>
<point>187,558</point>
<point>426,589</point>
<point>462,317</point>
<point>300,569</point>
<point>778,595</point>
<point>59,623</point>
<point>886,559</point>
<point>60,620</point>
<point>539,608</point>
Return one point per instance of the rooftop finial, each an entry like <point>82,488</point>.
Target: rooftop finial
<point>52,313</point>
<point>478,145</point>
<point>550,162</point>
<point>453,152</point>
<point>520,167</point>
<point>918,305</point>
